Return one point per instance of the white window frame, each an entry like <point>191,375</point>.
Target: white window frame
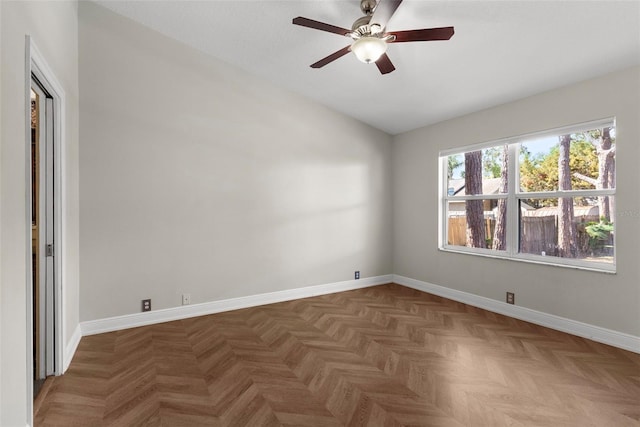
<point>514,195</point>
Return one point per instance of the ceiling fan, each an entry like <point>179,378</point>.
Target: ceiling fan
<point>370,38</point>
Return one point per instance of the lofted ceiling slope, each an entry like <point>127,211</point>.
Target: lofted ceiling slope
<point>501,50</point>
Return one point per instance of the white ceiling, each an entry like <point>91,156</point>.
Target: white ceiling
<point>501,50</point>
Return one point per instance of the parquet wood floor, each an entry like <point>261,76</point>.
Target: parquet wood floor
<point>381,356</point>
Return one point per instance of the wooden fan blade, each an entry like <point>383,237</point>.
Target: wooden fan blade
<point>384,11</point>
<point>324,61</point>
<point>424,35</point>
<point>317,25</point>
<point>384,64</point>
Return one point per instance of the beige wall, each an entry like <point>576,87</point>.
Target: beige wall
<point>53,27</point>
<point>199,178</point>
<point>609,301</point>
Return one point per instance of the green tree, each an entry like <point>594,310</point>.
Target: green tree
<point>453,163</point>
<point>540,172</point>
<point>492,162</point>
<point>603,143</point>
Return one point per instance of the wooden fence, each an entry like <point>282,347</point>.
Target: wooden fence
<point>538,234</point>
<point>458,230</point>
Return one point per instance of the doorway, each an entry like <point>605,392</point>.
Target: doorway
<point>42,234</point>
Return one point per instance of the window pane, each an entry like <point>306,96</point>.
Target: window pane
<point>568,228</point>
<point>477,172</point>
<point>477,223</point>
<point>576,161</point>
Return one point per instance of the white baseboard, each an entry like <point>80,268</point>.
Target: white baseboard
<point>595,333</point>
<point>176,313</point>
<point>70,348</point>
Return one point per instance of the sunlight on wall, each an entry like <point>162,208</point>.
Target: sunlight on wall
<point>314,202</point>
<point>318,187</point>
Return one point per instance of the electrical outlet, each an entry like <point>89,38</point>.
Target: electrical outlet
<point>146,305</point>
<point>186,299</point>
<point>357,275</point>
<point>511,298</point>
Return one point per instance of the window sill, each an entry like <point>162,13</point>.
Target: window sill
<point>533,259</point>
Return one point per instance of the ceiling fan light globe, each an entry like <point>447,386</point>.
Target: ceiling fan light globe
<point>369,49</point>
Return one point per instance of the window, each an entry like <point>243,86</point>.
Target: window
<point>547,197</point>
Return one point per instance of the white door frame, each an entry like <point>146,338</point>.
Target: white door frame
<point>46,268</point>
<point>36,64</point>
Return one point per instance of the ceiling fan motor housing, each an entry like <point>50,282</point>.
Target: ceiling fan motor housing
<point>361,23</point>
<point>361,28</point>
